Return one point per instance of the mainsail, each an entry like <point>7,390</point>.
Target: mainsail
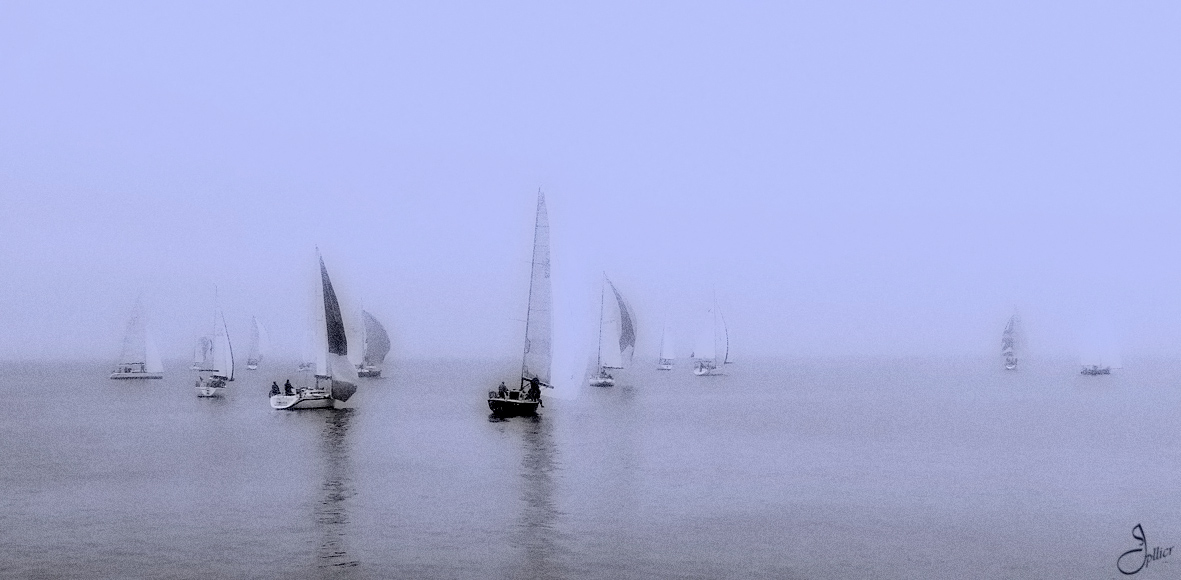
<point>135,339</point>
<point>335,365</point>
<point>223,353</point>
<point>138,346</point>
<point>713,343</point>
<point>377,341</point>
<point>539,317</point>
<point>258,342</point>
<point>667,353</point>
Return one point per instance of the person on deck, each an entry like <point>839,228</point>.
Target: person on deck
<point>502,391</point>
<point>288,389</point>
<point>534,389</point>
<point>275,388</point>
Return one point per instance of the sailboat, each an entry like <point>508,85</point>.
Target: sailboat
<point>538,356</point>
<point>336,377</point>
<point>223,361</point>
<point>1099,354</point>
<point>258,344</point>
<point>376,347</point>
<point>712,349</point>
<point>617,335</point>
<point>139,358</point>
<point>307,355</point>
<point>667,353</point>
<point>1010,341</point>
<point>201,352</point>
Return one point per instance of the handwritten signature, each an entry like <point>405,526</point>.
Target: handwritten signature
<point>1140,557</point>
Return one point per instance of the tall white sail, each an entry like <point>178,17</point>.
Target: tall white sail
<point>723,337</point>
<point>539,317</point>
<point>705,349</point>
<point>134,339</point>
<point>667,352</point>
<point>335,363</point>
<point>258,342</point>
<point>223,352</point>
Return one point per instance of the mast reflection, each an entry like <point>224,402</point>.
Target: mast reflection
<point>332,515</point>
<point>536,529</point>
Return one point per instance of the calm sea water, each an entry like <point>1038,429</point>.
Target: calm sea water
<point>781,468</point>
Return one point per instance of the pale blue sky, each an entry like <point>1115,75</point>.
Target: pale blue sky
<point>853,178</point>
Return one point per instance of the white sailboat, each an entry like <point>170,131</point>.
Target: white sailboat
<point>307,353</point>
<point>376,347</point>
<point>139,358</point>
<point>712,349</point>
<point>259,341</point>
<point>1010,342</point>
<point>201,353</point>
<point>222,369</point>
<point>538,355</point>
<point>617,335</point>
<point>667,352</point>
<point>336,377</point>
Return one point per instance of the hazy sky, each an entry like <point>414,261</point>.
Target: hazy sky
<point>873,178</point>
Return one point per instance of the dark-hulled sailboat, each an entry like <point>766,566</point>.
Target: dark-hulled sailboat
<point>525,397</point>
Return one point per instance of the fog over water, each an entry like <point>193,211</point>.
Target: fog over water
<point>851,178</point>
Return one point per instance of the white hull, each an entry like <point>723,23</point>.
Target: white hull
<point>207,391</point>
<point>704,370</point>
<point>251,367</point>
<point>144,375</point>
<point>316,399</point>
<point>602,382</point>
<point>664,366</point>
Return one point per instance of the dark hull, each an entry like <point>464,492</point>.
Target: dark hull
<point>512,408</point>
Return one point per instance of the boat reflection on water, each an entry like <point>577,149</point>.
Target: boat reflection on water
<point>332,516</point>
<point>537,532</point>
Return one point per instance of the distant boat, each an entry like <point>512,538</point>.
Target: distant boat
<point>259,341</point>
<point>375,349</point>
<point>336,377</point>
<point>617,335</point>
<point>307,356</point>
<point>1010,342</point>
<point>223,360</point>
<point>712,349</point>
<point>139,358</point>
<point>667,353</point>
<point>538,356</point>
<point>201,354</point>
<point>1099,355</point>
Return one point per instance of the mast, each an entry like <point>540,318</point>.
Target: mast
<point>536,360</point>
<point>599,351</point>
<point>532,266</point>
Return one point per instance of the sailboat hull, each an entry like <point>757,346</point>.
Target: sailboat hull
<point>251,367</point>
<point>505,407</point>
<point>137,375</point>
<point>602,382</point>
<point>303,400</point>
<point>210,392</point>
<point>368,372</point>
